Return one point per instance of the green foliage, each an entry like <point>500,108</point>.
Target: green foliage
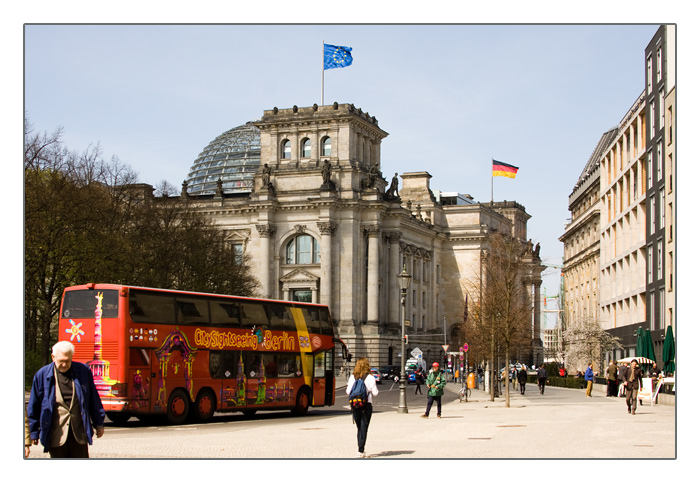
<point>88,220</point>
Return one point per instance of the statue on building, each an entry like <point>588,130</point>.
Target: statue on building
<point>536,252</point>
<point>326,176</point>
<point>219,188</point>
<point>371,180</point>
<point>183,192</point>
<point>393,192</point>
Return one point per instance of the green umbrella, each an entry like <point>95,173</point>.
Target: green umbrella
<point>669,351</point>
<point>648,346</point>
<point>639,334</point>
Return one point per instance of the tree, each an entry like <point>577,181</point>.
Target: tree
<point>88,220</point>
<point>585,341</point>
<point>500,313</point>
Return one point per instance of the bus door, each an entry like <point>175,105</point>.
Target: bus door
<point>323,387</point>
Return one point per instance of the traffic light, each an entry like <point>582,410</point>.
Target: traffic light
<point>405,339</point>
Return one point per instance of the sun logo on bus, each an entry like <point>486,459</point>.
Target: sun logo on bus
<point>74,331</point>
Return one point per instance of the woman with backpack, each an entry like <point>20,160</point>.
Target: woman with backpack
<point>361,400</point>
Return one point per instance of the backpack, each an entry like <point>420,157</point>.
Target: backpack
<point>358,395</point>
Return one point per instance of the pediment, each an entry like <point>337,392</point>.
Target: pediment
<point>299,275</point>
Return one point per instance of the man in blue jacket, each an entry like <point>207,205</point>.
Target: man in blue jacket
<point>589,377</point>
<point>64,406</point>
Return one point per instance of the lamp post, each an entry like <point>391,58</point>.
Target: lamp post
<point>404,282</point>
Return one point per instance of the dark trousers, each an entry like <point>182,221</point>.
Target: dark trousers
<point>438,400</point>
<point>631,399</point>
<point>418,389</point>
<point>362,418</point>
<point>522,388</point>
<point>541,384</point>
<point>70,449</point>
<point>612,388</point>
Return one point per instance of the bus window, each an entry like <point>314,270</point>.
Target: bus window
<point>192,310</point>
<point>253,314</point>
<point>225,313</point>
<point>80,304</point>
<point>153,308</point>
<point>280,317</point>
<point>320,364</point>
<point>224,364</point>
<point>253,367</point>
<point>215,364</point>
<point>270,364</point>
<point>288,364</point>
<point>311,317</point>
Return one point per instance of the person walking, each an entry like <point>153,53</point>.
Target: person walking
<point>362,416</point>
<point>611,376</point>
<point>621,375</point>
<point>435,383</point>
<point>541,378</point>
<point>419,380</point>
<point>64,406</point>
<point>522,378</point>
<point>633,382</point>
<point>589,376</point>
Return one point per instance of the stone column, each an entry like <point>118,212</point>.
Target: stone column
<point>536,325</point>
<point>327,229</point>
<point>373,233</point>
<point>265,232</point>
<point>393,284</point>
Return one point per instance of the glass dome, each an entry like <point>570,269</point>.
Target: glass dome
<point>233,157</point>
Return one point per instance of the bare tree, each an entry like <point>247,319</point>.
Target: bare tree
<point>585,341</point>
<point>500,313</point>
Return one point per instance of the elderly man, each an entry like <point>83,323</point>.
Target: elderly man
<point>64,406</point>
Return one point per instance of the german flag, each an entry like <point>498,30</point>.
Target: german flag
<point>503,169</point>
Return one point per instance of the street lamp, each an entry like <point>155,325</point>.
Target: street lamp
<point>404,282</point>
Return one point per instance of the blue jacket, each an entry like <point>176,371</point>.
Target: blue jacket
<point>589,374</point>
<point>42,402</point>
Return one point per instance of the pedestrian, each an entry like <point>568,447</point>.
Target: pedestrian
<point>621,374</point>
<point>419,380</point>
<point>655,374</point>
<point>611,376</point>
<point>514,376</point>
<point>27,435</point>
<point>541,378</point>
<point>436,383</point>
<point>64,406</point>
<point>633,383</point>
<point>362,416</point>
<point>522,378</point>
<point>589,377</point>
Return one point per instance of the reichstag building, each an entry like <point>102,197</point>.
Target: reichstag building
<point>302,192</point>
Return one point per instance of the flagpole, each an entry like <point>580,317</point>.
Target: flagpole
<point>491,181</point>
<point>323,70</point>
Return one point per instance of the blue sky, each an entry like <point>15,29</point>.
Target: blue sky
<point>451,97</point>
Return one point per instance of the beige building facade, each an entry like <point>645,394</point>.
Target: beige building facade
<point>322,224</point>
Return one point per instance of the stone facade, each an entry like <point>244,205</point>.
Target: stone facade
<point>324,225</point>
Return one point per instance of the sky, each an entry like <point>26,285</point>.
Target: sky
<point>451,97</point>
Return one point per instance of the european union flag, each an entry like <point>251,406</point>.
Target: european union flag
<point>335,56</point>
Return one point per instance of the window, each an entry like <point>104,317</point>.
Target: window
<point>650,264</point>
<point>659,261</point>
<point>649,74</point>
<point>652,120</point>
<point>303,250</point>
<point>652,214</point>
<point>286,149</point>
<point>238,251</point>
<point>326,146</point>
<point>306,148</point>
<point>659,66</point>
<point>659,162</point>
<point>650,170</point>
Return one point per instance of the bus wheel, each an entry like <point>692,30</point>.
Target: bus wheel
<point>303,403</point>
<point>204,406</point>
<point>178,407</point>
<point>118,418</point>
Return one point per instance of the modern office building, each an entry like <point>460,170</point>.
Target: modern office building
<point>633,169</point>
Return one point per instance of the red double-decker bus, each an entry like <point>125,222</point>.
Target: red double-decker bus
<point>155,352</point>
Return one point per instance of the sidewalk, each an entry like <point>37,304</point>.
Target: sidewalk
<point>562,423</point>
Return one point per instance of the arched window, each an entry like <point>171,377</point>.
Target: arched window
<point>306,148</point>
<point>326,146</point>
<point>286,149</point>
<point>303,250</point>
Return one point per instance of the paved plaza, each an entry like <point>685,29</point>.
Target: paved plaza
<point>562,423</point>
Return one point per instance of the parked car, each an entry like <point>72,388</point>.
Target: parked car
<point>389,372</point>
<point>411,376</point>
<point>377,375</point>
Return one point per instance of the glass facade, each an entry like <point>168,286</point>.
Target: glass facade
<point>233,157</point>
